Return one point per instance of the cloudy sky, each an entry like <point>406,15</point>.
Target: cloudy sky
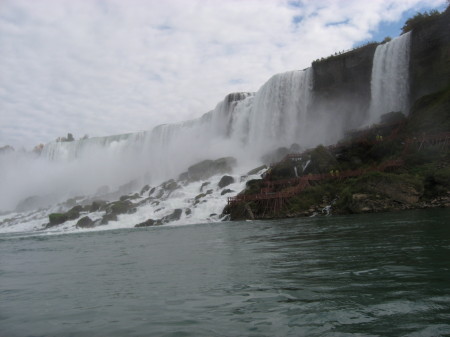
<point>102,67</point>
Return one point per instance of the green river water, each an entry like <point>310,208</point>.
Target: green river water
<point>364,275</point>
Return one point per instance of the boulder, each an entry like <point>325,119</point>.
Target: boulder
<point>97,205</point>
<point>108,217</point>
<point>85,222</point>
<point>256,170</point>
<point>74,212</point>
<point>129,197</point>
<point>144,189</point>
<point>120,207</point>
<point>170,185</point>
<point>206,183</point>
<point>225,191</point>
<point>151,191</point>
<point>147,223</point>
<point>207,168</point>
<point>184,176</point>
<point>225,181</point>
<point>176,214</point>
<point>56,219</point>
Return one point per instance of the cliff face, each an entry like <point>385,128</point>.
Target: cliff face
<point>430,56</point>
<point>342,83</point>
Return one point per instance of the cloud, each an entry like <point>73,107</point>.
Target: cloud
<point>106,67</point>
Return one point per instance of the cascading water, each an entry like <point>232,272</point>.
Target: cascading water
<point>390,78</point>
<point>243,125</point>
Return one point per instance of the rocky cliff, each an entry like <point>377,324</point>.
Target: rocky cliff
<point>341,83</point>
<point>430,56</point>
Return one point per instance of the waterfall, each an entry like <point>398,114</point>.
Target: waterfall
<point>243,125</point>
<point>390,78</point>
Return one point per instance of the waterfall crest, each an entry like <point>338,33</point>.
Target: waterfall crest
<point>243,125</point>
<point>390,78</point>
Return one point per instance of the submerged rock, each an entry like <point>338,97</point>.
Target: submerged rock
<point>85,222</point>
<point>225,181</point>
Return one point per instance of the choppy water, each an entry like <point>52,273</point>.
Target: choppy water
<point>369,275</point>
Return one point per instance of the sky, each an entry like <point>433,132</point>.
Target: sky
<point>103,67</point>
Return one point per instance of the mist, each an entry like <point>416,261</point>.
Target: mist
<point>284,111</point>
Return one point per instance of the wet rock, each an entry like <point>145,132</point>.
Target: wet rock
<point>74,212</point>
<point>209,191</point>
<point>147,223</point>
<point>225,181</point>
<point>176,214</point>
<point>256,170</point>
<point>183,176</point>
<point>152,191</point>
<point>160,194</point>
<point>207,168</point>
<point>107,218</point>
<point>206,183</point>
<point>85,222</point>
<point>120,207</point>
<point>188,211</point>
<point>129,197</point>
<point>143,202</point>
<point>199,196</point>
<point>56,219</point>
<point>170,185</point>
<point>70,202</point>
<point>225,191</point>
<point>144,189</point>
<point>97,205</point>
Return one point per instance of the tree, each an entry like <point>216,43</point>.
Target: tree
<point>419,19</point>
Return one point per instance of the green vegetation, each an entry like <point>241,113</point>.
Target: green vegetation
<point>423,180</point>
<point>420,19</point>
<point>430,114</point>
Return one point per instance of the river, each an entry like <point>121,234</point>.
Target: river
<point>361,275</point>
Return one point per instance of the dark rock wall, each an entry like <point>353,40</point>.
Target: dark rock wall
<point>430,57</point>
<point>341,84</point>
